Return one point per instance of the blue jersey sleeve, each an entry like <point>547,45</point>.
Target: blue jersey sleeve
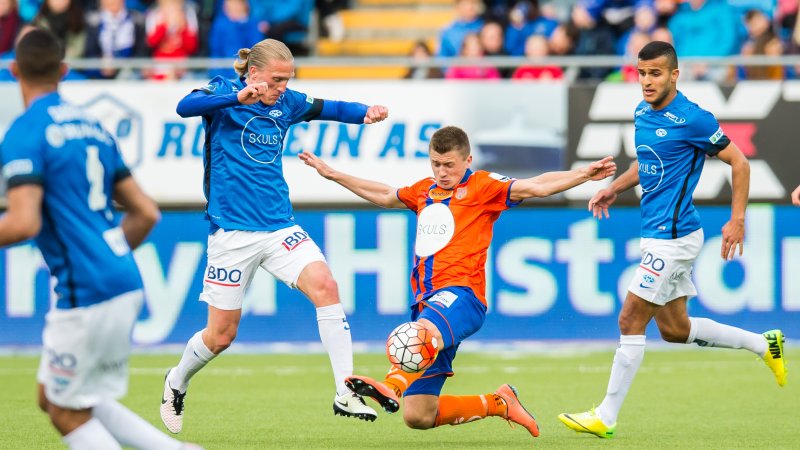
<point>121,170</point>
<point>217,94</point>
<point>706,134</point>
<point>22,156</point>
<point>301,107</point>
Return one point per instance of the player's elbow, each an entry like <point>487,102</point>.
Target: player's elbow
<point>184,109</point>
<point>28,229</point>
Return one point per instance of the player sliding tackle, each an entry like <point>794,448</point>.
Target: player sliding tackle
<point>456,209</point>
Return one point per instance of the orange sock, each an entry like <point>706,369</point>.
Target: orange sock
<point>455,410</point>
<point>399,380</point>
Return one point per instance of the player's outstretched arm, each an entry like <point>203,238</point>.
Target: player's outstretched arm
<point>733,231</point>
<point>141,211</point>
<point>554,182</point>
<point>796,196</point>
<point>349,112</point>
<point>604,198</point>
<point>23,218</point>
<point>380,194</point>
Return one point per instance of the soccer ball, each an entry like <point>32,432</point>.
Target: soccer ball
<point>411,347</point>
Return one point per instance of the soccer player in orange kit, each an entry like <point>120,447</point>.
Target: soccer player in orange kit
<point>456,209</point>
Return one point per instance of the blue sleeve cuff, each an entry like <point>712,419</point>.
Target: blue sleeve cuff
<point>346,112</point>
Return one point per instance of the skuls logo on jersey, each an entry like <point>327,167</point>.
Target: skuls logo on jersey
<point>262,139</point>
<point>435,228</point>
<point>651,168</point>
<point>674,118</point>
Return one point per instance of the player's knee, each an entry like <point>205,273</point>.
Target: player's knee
<point>626,324</point>
<point>418,422</point>
<point>325,292</point>
<point>674,335</point>
<point>222,340</point>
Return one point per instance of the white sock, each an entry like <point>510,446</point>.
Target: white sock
<point>131,430</point>
<point>334,331</point>
<point>195,357</point>
<point>707,333</point>
<point>91,436</point>
<point>627,360</point>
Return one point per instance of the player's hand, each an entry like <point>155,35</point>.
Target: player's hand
<point>376,114</point>
<point>599,204</point>
<point>252,93</point>
<point>323,169</point>
<point>732,235</point>
<point>601,169</point>
<point>796,196</point>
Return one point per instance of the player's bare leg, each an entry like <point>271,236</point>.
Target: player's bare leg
<point>317,283</point>
<point>204,346</point>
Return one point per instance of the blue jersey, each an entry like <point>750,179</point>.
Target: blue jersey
<point>244,184</point>
<point>56,145</point>
<point>671,146</point>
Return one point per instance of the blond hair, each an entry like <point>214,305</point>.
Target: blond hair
<point>260,54</point>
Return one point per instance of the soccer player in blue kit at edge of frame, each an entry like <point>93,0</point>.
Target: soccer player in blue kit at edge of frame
<point>62,170</point>
<point>673,136</point>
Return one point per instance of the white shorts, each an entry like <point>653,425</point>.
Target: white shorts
<point>85,351</point>
<point>234,256</point>
<point>665,272</point>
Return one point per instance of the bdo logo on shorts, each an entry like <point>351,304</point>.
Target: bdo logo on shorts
<point>294,240</point>
<point>223,277</point>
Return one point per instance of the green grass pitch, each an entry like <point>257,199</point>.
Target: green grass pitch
<point>704,398</point>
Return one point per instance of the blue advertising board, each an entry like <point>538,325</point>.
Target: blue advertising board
<point>553,273</point>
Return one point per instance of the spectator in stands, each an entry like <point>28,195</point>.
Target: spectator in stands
<point>28,9</point>
<point>662,34</point>
<point>704,28</point>
<point>562,41</point>
<point>172,34</point>
<point>114,32</point>
<point>664,10</point>
<point>644,21</point>
<point>66,20</point>
<point>596,37</point>
<point>9,24</point>
<point>471,48</point>
<point>761,40</point>
<point>536,47</point>
<point>233,28</point>
<point>467,21</point>
<point>786,18</point>
<point>617,15</point>
<point>526,19</point>
<point>421,52</point>
<point>491,37</point>
<point>629,72</point>
<point>330,20</point>
<point>286,21</point>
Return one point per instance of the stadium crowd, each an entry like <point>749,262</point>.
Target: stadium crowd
<point>170,29</point>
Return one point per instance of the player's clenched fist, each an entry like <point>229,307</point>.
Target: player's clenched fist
<point>376,113</point>
<point>252,93</point>
<point>796,196</point>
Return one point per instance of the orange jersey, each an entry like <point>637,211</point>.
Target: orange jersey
<point>454,230</point>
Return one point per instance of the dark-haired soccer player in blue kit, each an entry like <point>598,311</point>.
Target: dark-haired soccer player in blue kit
<point>673,138</point>
<point>251,220</point>
<point>62,170</point>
